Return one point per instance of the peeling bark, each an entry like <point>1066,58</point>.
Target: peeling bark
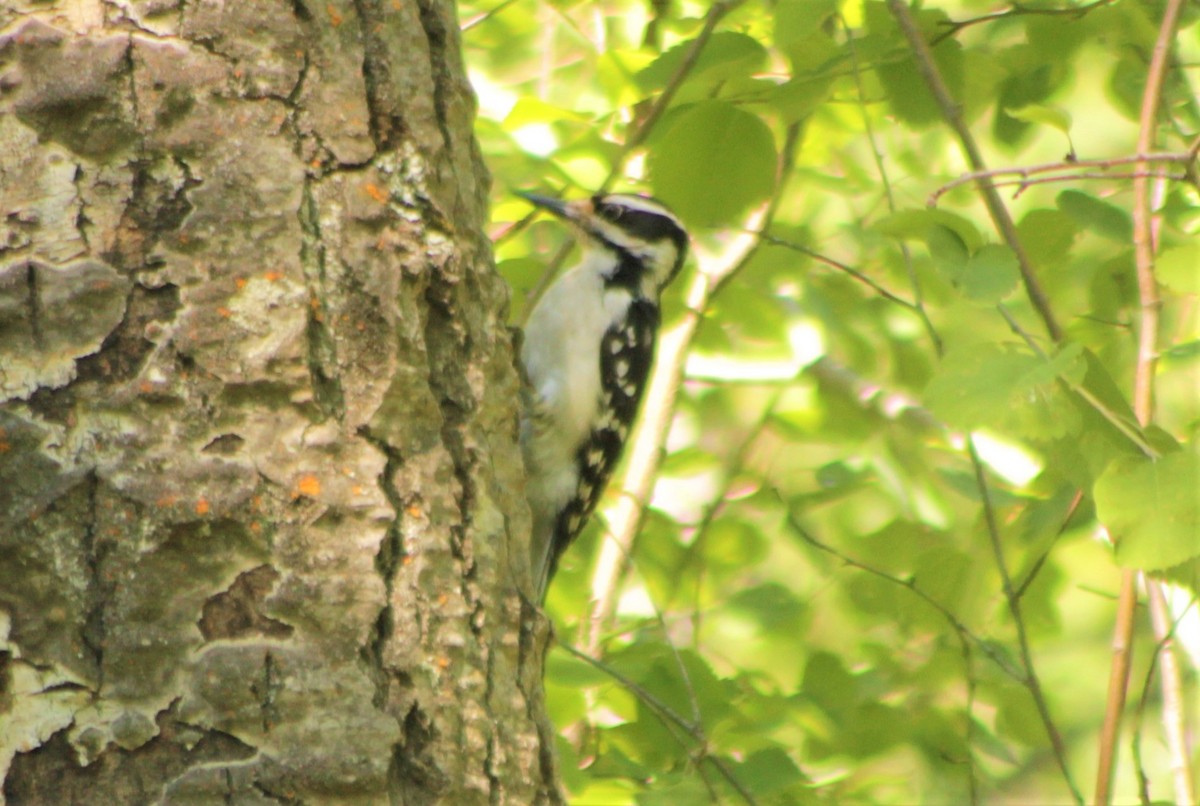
<point>261,520</point>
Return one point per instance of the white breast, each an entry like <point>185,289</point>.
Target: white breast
<point>561,354</point>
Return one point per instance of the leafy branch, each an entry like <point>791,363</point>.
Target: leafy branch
<point>952,112</point>
<point>669,716</point>
<point>1012,597</point>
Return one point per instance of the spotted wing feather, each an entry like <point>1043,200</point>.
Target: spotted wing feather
<point>626,353</point>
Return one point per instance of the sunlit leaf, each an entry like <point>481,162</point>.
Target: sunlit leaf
<point>1152,509</point>
<point>725,55</point>
<point>714,162</point>
<point>916,224</point>
<point>1097,215</point>
<point>1042,113</point>
<point>1179,267</point>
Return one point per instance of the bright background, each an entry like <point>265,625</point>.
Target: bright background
<point>815,610</point>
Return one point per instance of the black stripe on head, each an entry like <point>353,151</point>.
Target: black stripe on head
<point>637,216</point>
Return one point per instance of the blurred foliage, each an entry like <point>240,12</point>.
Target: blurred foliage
<point>815,611</point>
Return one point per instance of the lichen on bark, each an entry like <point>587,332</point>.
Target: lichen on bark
<point>260,497</point>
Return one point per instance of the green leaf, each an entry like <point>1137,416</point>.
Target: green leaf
<point>1054,116</point>
<point>1047,235</point>
<point>772,605</point>
<point>714,161</point>
<point>1152,509</point>
<point>767,771</point>
<point>797,20</point>
<point>1179,268</point>
<point>991,274</point>
<point>1098,216</point>
<point>914,225</point>
<point>798,98</point>
<point>1018,717</point>
<point>828,683</point>
<point>726,55</point>
<point>948,251</point>
<point>906,90</point>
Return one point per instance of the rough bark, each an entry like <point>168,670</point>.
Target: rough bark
<point>261,527</point>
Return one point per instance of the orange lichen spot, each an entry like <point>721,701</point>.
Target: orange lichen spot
<point>360,326</point>
<point>240,282</point>
<point>224,312</point>
<point>309,485</point>
<point>167,500</point>
<point>145,387</point>
<point>357,489</point>
<point>413,510</point>
<point>376,192</point>
<point>406,560</point>
<point>5,445</point>
<point>202,506</point>
<point>255,527</point>
<point>334,16</point>
<point>442,599</point>
<point>273,275</point>
<point>443,662</point>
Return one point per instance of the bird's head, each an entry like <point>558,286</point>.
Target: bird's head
<point>645,238</point>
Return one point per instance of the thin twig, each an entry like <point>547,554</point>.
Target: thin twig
<point>1171,683</point>
<point>966,638</point>
<point>1014,606</point>
<point>1017,9</point>
<point>485,16</point>
<point>952,112</point>
<point>910,584</point>
<point>1024,184</point>
<point>914,280</point>
<point>668,715</point>
<point>718,10</point>
<point>842,267</point>
<point>1143,406</point>
<point>1072,508</point>
<point>1025,171</point>
<point>1129,429</point>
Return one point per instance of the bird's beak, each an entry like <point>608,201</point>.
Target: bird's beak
<point>560,208</point>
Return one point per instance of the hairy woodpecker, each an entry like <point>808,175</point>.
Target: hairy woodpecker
<point>589,343</point>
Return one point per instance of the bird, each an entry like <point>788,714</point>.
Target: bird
<point>587,351</point>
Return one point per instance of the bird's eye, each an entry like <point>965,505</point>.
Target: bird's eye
<point>610,212</point>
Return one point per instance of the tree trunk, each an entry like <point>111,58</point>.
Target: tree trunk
<point>261,515</point>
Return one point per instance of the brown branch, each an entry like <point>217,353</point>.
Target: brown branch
<point>1143,406</point>
<point>1025,184</point>
<point>952,112</point>
<point>1118,685</point>
<point>1186,158</point>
